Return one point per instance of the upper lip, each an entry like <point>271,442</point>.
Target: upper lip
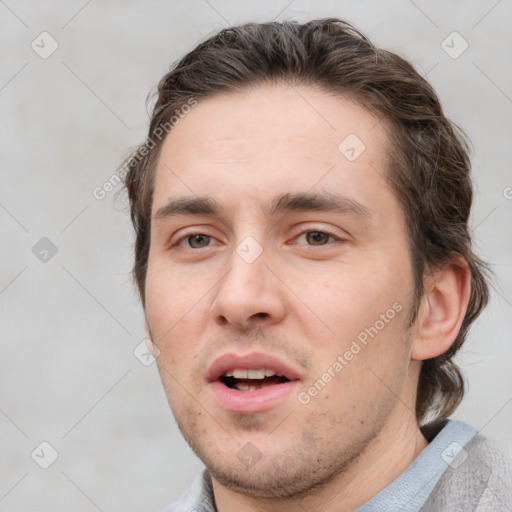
<point>255,360</point>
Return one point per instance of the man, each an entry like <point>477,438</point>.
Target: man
<point>304,261</point>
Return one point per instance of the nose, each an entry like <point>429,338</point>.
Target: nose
<point>249,295</point>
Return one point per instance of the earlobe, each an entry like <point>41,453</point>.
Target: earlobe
<point>442,309</point>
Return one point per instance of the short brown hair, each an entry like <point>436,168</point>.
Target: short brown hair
<point>429,168</point>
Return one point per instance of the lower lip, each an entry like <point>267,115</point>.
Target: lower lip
<point>259,400</point>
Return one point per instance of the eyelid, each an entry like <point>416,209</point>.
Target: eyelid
<point>191,232</point>
<point>323,229</point>
<point>298,232</point>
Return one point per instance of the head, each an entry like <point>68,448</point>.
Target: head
<point>261,118</point>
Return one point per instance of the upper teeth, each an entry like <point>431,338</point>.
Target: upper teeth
<point>259,373</point>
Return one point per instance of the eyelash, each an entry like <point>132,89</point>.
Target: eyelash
<point>319,229</point>
<point>310,230</point>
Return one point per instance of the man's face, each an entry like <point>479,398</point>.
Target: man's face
<point>317,298</point>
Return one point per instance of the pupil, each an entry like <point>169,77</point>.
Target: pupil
<point>197,238</point>
<point>316,236</point>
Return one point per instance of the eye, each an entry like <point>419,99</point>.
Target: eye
<point>318,237</point>
<point>195,240</point>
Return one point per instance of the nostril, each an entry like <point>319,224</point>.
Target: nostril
<point>223,320</point>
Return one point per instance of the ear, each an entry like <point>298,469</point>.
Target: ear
<point>442,309</point>
<point>152,348</point>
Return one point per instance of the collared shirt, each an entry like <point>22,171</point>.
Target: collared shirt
<point>458,470</point>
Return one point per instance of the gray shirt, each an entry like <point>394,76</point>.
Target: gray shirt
<point>459,470</point>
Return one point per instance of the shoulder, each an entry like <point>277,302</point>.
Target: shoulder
<point>479,478</point>
<point>197,498</point>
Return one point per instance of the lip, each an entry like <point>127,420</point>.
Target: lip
<point>259,400</point>
<point>231,361</point>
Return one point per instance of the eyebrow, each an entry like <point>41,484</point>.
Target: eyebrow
<point>323,202</point>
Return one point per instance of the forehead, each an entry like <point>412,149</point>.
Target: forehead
<point>277,138</point>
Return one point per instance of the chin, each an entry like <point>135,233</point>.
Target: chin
<point>284,469</point>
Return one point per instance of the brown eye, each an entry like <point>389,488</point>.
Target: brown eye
<point>317,237</point>
<point>198,240</point>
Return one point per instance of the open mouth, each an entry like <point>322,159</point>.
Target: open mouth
<point>251,383</point>
<point>251,380</point>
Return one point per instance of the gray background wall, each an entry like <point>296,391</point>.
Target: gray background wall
<point>71,321</point>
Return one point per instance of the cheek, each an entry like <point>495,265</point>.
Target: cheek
<point>171,304</point>
<point>167,286</point>
<point>365,313</point>
<point>348,299</point>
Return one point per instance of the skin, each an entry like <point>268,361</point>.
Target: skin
<point>305,299</point>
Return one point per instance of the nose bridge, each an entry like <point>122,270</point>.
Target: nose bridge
<point>247,292</point>
<point>248,258</point>
<point>247,269</point>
